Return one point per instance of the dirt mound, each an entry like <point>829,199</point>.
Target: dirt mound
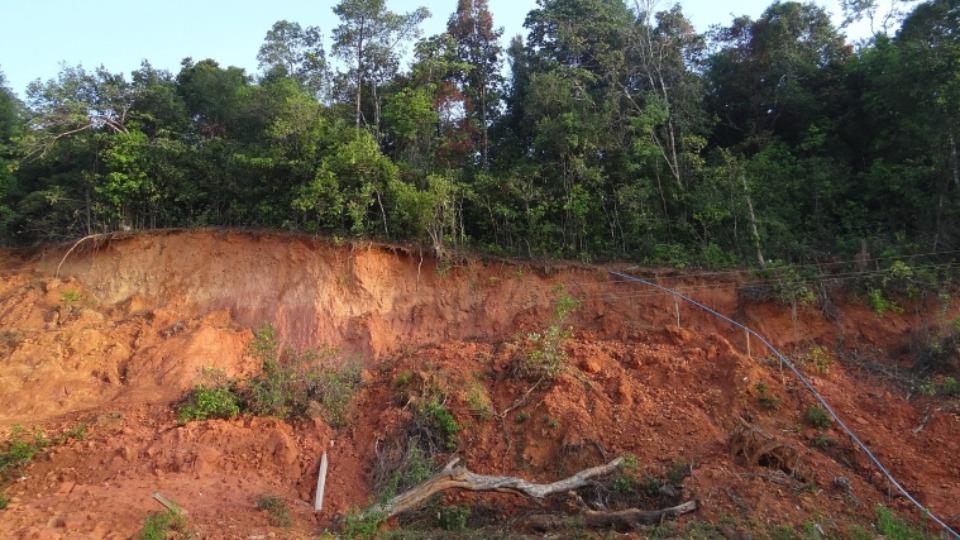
<point>129,327</point>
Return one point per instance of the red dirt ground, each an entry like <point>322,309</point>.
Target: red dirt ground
<point>123,332</point>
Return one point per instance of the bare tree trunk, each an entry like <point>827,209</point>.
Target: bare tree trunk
<point>753,223</point>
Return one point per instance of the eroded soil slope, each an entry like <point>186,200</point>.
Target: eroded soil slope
<point>129,324</point>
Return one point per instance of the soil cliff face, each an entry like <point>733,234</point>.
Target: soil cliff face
<point>129,324</point>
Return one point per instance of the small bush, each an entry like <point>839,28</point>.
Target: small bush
<point>159,525</point>
<point>544,355</point>
<point>4,501</point>
<point>434,415</point>
<point>892,526</point>
<point>359,524</point>
<point>453,518</point>
<point>70,297</point>
<point>817,360</point>
<point>17,452</point>
<point>204,403</point>
<point>880,304</point>
<point>648,486</point>
<point>678,472</point>
<point>766,400</point>
<point>478,402</point>
<point>946,387</point>
<point>414,468</point>
<point>291,380</point>
<point>817,417</point>
<point>276,508</point>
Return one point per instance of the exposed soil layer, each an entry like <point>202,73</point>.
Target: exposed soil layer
<point>124,331</point>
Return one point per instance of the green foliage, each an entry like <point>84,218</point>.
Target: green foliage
<point>478,402</point>
<point>292,380</point>
<point>291,383</point>
<point>545,356</point>
<point>160,525</point>
<point>648,486</point>
<point>18,450</point>
<point>679,471</point>
<point>4,501</point>
<point>362,524</point>
<point>204,403</point>
<point>817,417</point>
<point>70,297</point>
<point>453,518</point>
<point>435,415</point>
<point>766,400</point>
<point>946,387</point>
<point>892,526</point>
<point>880,304</point>
<point>817,360</point>
<point>276,508</point>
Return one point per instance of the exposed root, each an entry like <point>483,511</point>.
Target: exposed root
<point>752,446</point>
<point>620,520</point>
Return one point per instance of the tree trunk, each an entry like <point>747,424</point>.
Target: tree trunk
<point>753,223</point>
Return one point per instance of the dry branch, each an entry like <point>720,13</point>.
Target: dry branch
<point>620,519</point>
<point>453,477</point>
<point>167,503</point>
<point>69,251</point>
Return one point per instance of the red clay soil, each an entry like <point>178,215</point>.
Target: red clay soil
<point>123,332</point>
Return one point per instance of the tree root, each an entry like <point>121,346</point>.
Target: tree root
<point>620,520</point>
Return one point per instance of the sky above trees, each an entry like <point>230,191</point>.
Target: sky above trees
<point>119,34</point>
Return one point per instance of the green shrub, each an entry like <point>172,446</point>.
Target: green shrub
<point>413,469</point>
<point>453,518</point>
<point>435,415</point>
<point>678,472</point>
<point>204,403</point>
<point>947,387</point>
<point>880,304</point>
<point>893,527</point>
<point>4,501</point>
<point>817,417</point>
<point>17,452</point>
<point>766,400</point>
<point>545,356</point>
<point>360,524</point>
<point>292,380</point>
<point>159,525</point>
<point>276,508</point>
<point>478,402</point>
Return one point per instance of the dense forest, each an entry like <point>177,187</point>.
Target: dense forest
<point>611,131</point>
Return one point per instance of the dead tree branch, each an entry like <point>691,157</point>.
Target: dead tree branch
<point>453,477</point>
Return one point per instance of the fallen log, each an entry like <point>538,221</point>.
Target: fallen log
<point>453,477</point>
<point>621,520</point>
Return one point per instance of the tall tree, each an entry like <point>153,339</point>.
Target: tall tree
<point>368,39</point>
<point>289,50</point>
<point>478,47</point>
<point>776,75</point>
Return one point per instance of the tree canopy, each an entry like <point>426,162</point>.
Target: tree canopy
<point>613,130</point>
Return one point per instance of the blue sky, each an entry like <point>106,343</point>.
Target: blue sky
<point>36,36</point>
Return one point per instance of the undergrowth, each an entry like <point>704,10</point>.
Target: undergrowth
<point>164,525</point>
<point>276,509</point>
<point>292,383</point>
<point>543,353</point>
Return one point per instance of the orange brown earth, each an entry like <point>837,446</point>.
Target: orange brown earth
<point>122,334</point>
